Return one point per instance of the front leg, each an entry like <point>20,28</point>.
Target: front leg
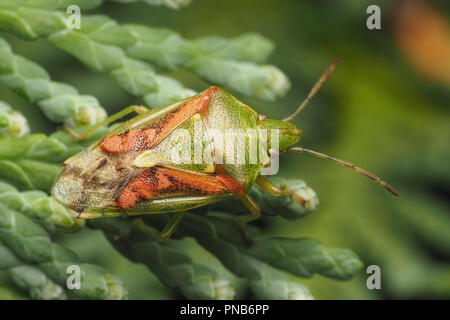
<point>277,191</point>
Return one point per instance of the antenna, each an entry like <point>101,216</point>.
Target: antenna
<point>314,90</point>
<point>348,165</point>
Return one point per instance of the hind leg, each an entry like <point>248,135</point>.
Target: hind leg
<point>165,234</point>
<point>255,214</point>
<point>171,226</point>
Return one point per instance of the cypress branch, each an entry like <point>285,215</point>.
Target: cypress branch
<point>29,278</point>
<point>29,174</point>
<point>222,237</point>
<point>173,267</point>
<point>303,257</point>
<point>59,102</point>
<point>32,244</point>
<point>105,46</point>
<point>39,206</point>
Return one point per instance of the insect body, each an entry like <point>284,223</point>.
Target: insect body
<point>133,171</point>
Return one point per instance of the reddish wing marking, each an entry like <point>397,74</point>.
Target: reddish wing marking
<point>146,138</point>
<point>226,180</point>
<point>157,182</point>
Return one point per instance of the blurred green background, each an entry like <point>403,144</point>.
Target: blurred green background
<point>386,108</point>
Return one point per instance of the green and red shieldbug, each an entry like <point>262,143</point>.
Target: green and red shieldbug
<point>131,170</point>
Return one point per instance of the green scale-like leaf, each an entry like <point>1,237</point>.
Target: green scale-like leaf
<point>32,244</point>
<point>38,205</point>
<point>173,267</point>
<point>12,123</point>
<point>101,44</point>
<point>29,277</point>
<point>58,101</point>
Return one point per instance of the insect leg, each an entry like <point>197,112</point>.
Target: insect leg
<point>171,225</point>
<point>278,191</point>
<point>135,224</point>
<point>161,237</point>
<point>268,186</point>
<point>116,116</point>
<point>139,224</point>
<point>255,214</point>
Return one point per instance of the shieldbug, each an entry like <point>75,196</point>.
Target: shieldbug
<point>132,170</point>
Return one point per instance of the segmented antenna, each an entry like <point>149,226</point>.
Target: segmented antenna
<point>313,91</point>
<point>348,165</point>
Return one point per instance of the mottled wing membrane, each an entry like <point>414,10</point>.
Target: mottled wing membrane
<point>94,179</point>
